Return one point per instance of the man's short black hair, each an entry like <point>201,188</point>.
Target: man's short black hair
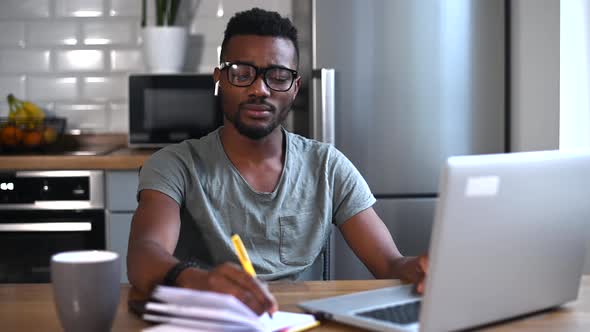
<point>260,22</point>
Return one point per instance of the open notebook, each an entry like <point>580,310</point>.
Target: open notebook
<point>184,310</point>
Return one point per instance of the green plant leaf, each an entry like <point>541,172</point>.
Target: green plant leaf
<point>173,11</point>
<point>160,11</point>
<point>143,12</point>
<point>166,12</point>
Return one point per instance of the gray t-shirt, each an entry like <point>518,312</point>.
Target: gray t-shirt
<point>283,231</point>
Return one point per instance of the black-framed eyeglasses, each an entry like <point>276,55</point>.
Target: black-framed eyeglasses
<point>244,74</point>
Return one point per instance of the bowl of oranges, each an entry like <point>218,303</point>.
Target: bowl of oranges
<point>27,129</point>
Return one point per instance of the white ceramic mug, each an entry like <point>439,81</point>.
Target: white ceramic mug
<point>86,289</point>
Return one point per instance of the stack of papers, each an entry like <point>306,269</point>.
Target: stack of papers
<point>183,309</point>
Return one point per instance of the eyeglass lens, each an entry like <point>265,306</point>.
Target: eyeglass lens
<point>279,79</point>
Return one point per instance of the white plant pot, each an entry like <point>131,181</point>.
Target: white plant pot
<point>164,48</point>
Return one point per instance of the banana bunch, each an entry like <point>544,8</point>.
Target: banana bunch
<point>24,113</point>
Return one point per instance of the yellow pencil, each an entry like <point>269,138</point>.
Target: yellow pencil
<point>243,255</point>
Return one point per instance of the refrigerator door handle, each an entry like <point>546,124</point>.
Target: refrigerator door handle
<point>322,110</point>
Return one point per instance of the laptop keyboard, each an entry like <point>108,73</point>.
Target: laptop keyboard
<point>406,313</point>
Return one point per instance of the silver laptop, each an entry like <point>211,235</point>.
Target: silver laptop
<point>509,238</point>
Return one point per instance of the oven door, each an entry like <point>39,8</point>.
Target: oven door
<point>28,239</point>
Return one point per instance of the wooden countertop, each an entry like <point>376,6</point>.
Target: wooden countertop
<point>113,155</point>
<point>29,307</point>
<point>119,159</point>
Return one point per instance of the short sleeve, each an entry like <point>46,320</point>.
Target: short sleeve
<point>350,192</point>
<point>165,171</point>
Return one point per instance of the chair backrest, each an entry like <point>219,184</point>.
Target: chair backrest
<point>320,269</point>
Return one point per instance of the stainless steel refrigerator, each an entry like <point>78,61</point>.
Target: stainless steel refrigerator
<point>413,82</point>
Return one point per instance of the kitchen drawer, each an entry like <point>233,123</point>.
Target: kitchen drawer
<point>121,188</point>
<point>118,227</point>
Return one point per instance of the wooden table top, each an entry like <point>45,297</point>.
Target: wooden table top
<point>29,307</point>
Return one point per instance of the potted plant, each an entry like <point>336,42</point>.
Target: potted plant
<point>164,45</point>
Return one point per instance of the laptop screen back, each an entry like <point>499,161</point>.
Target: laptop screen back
<point>509,237</point>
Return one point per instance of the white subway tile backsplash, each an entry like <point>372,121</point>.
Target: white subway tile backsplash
<point>201,58</point>
<point>210,30</point>
<point>127,61</point>
<point>105,88</point>
<point>106,32</point>
<point>53,33</point>
<point>79,8</point>
<point>80,60</point>
<point>24,60</point>
<point>53,88</point>
<point>205,69</point>
<point>4,109</point>
<point>73,57</point>
<point>237,6</point>
<point>17,9</point>
<point>212,8</point>
<point>12,84</point>
<point>89,116</point>
<point>285,8</point>
<point>119,117</point>
<point>12,34</point>
<point>48,107</point>
<point>227,9</point>
<point>125,8</point>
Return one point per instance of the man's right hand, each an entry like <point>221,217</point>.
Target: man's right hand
<point>230,278</point>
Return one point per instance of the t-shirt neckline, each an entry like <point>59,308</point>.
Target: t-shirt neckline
<point>262,194</point>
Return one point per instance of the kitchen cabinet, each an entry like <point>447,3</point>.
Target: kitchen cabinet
<point>118,227</point>
<point>120,191</point>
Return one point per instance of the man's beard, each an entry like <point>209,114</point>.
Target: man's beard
<point>256,132</point>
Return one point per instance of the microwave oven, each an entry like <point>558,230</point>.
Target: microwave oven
<point>170,108</point>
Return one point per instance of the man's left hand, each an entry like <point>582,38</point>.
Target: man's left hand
<point>413,269</point>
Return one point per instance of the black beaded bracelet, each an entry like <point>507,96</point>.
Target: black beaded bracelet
<point>172,274</point>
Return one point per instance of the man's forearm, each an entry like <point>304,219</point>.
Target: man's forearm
<point>397,268</point>
<point>147,264</point>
